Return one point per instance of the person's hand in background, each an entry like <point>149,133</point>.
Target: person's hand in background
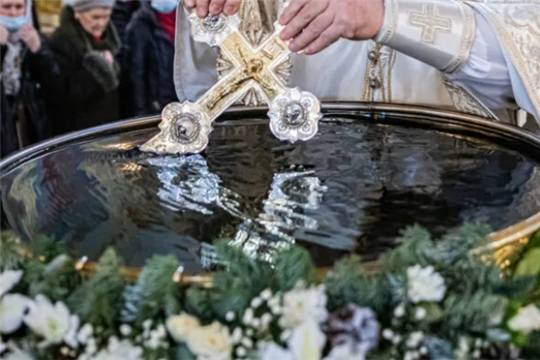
<point>30,37</point>
<point>3,35</point>
<point>109,58</point>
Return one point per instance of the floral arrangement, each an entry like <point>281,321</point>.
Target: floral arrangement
<point>429,299</point>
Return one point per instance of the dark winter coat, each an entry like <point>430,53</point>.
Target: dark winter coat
<point>122,13</point>
<point>85,91</point>
<point>150,63</point>
<point>27,107</point>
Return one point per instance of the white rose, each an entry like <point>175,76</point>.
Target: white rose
<point>211,342</point>
<point>424,284</point>
<point>119,350</point>
<point>12,309</point>
<point>526,321</point>
<point>8,279</point>
<point>304,304</point>
<point>54,323</point>
<point>307,341</point>
<point>180,325</point>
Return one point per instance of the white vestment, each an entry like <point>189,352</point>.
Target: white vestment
<point>499,75</point>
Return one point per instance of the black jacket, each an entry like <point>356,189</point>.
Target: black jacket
<point>84,92</point>
<point>150,60</point>
<point>27,107</point>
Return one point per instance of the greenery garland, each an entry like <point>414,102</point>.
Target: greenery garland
<point>429,300</point>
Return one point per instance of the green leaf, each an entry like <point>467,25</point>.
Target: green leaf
<point>530,264</point>
<point>347,283</point>
<point>155,295</point>
<point>181,352</point>
<point>99,300</point>
<point>293,265</point>
<point>471,312</point>
<point>434,312</point>
<point>10,254</point>
<point>414,247</point>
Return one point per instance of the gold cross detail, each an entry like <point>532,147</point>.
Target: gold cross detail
<point>430,23</point>
<point>253,68</point>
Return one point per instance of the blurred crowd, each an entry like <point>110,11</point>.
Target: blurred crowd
<point>107,60</point>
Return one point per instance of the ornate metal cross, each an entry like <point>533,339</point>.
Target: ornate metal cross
<point>430,23</point>
<point>294,114</point>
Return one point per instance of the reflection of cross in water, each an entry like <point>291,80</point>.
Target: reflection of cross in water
<point>430,23</point>
<point>254,67</point>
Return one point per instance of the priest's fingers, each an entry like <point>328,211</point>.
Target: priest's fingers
<point>190,4</point>
<point>216,7</point>
<point>303,18</point>
<point>312,32</point>
<point>231,7</point>
<point>327,38</point>
<point>291,10</point>
<point>202,8</point>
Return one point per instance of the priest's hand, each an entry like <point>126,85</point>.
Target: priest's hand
<point>215,7</point>
<point>313,25</point>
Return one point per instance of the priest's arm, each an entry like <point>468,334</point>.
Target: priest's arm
<point>490,49</point>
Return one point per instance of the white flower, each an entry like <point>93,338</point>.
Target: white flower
<point>12,309</point>
<point>248,316</point>
<point>119,350</point>
<point>256,302</point>
<point>236,336</point>
<point>424,284</point>
<point>211,342</point>
<point>125,329</point>
<point>347,351</point>
<point>415,339</point>
<point>15,353</point>
<point>8,279</point>
<point>229,316</point>
<point>300,305</point>
<point>388,334</point>
<point>54,323</point>
<point>180,325</point>
<point>266,294</point>
<point>420,314</point>
<point>85,332</point>
<point>272,351</point>
<point>307,341</point>
<point>526,321</point>
<point>399,311</point>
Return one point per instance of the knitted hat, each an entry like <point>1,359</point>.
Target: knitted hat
<point>84,5</point>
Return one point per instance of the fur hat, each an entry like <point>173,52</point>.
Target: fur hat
<point>84,5</point>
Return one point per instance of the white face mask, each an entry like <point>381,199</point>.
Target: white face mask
<point>13,23</point>
<point>164,6</point>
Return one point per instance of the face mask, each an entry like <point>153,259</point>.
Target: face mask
<point>13,23</point>
<point>164,6</point>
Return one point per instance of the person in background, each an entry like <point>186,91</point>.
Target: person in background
<point>122,14</point>
<point>85,90</point>
<point>24,57</point>
<point>150,57</point>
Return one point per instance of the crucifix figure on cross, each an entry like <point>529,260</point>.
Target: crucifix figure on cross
<point>294,114</point>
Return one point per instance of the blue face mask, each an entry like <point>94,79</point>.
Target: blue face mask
<point>13,23</point>
<point>164,6</point>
